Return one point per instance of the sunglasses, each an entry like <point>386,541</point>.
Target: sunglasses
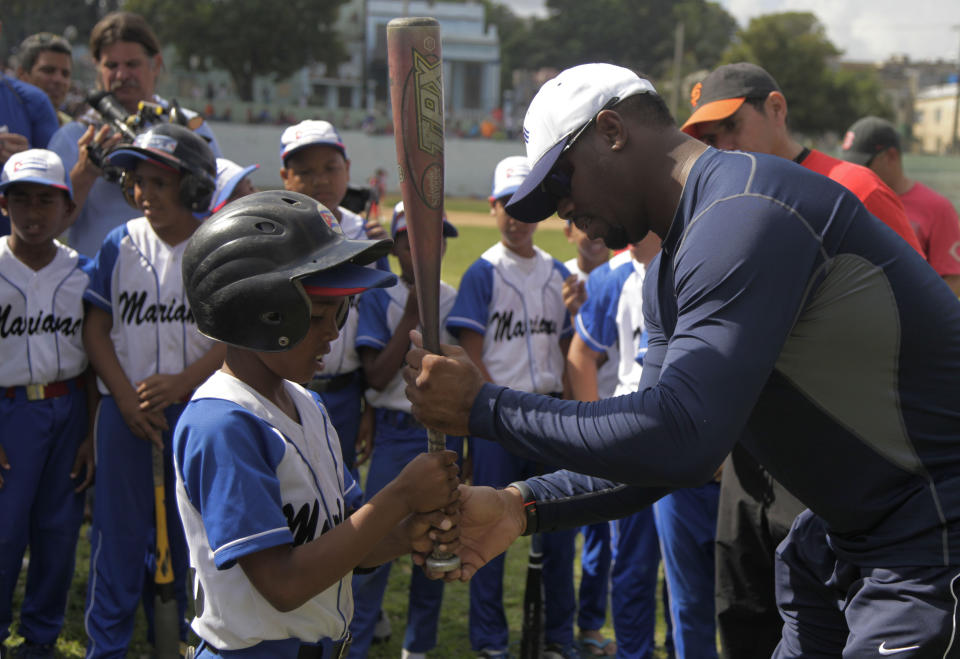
<point>557,183</point>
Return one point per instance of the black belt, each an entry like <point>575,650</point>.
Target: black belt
<point>324,385</point>
<point>338,650</point>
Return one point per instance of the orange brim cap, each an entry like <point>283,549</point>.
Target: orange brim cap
<point>714,111</point>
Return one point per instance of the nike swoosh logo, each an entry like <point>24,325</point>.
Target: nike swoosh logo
<point>885,651</point>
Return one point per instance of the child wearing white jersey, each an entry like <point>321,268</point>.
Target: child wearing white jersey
<point>261,483</point>
<point>511,320</point>
<point>315,163</point>
<point>46,455</point>
<point>383,337</point>
<point>143,343</point>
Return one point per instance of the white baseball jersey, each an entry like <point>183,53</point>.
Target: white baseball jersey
<point>380,312</point>
<point>137,280</point>
<point>612,317</point>
<point>342,357</point>
<point>249,478</point>
<point>607,373</point>
<point>517,305</point>
<point>41,318</point>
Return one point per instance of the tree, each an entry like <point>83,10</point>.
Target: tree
<point>247,38</point>
<point>632,33</point>
<point>21,18</point>
<point>794,49</point>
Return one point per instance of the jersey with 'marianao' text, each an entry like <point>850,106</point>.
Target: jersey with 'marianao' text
<point>249,478</point>
<point>380,311</point>
<point>517,305</point>
<point>41,318</point>
<point>137,280</point>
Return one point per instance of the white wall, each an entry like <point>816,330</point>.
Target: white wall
<point>469,163</point>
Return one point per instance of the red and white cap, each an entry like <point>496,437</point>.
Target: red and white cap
<point>35,166</point>
<point>309,133</point>
<point>508,175</point>
<point>563,106</point>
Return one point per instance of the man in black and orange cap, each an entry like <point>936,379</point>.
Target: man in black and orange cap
<point>740,106</point>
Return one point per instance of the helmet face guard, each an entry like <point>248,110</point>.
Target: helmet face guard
<point>245,269</point>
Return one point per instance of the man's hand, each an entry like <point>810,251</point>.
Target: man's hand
<point>100,140</point>
<point>441,388</point>
<point>11,143</point>
<point>490,520</point>
<point>574,294</point>
<point>84,461</point>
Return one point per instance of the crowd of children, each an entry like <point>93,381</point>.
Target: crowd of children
<point>103,357</point>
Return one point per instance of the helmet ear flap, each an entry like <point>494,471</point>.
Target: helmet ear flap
<point>195,192</point>
<point>126,186</point>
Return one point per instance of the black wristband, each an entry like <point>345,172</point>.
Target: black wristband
<point>529,506</point>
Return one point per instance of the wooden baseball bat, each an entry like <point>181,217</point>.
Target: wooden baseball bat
<point>416,94</point>
<point>531,635</point>
<point>166,623</point>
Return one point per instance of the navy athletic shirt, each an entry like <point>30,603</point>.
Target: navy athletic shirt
<point>783,315</point>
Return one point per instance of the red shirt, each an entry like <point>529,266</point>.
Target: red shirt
<point>879,199</point>
<point>935,222</point>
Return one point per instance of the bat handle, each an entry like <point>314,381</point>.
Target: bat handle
<point>440,561</point>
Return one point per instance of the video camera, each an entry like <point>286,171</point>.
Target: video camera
<point>130,125</point>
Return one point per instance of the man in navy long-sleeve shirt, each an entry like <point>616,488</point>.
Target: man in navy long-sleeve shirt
<point>783,316</point>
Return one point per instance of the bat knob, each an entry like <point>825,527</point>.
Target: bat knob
<point>437,562</point>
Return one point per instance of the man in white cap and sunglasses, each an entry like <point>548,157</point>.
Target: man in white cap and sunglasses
<point>778,309</point>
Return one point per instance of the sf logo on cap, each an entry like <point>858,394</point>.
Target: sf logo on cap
<point>695,94</point>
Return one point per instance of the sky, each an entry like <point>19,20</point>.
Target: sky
<point>866,30</point>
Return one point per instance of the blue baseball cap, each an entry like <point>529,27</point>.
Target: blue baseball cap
<point>399,223</point>
<point>229,174</point>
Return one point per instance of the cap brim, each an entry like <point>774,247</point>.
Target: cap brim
<point>531,203</point>
<point>449,231</point>
<point>714,111</point>
<point>286,152</point>
<point>228,189</point>
<point>346,279</point>
<point>506,192</point>
<point>857,157</point>
<point>127,158</point>
<point>38,181</point>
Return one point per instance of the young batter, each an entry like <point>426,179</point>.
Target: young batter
<point>260,478</point>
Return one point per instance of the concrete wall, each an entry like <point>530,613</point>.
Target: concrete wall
<point>469,163</point>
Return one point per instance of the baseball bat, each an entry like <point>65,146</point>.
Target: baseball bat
<point>531,636</point>
<point>416,94</point>
<point>166,624</point>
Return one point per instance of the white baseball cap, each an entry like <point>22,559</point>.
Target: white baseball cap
<point>508,175</point>
<point>35,166</point>
<point>229,174</point>
<point>309,133</point>
<point>399,223</point>
<point>563,107</point>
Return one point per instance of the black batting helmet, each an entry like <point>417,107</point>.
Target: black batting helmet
<point>177,147</point>
<point>246,267</point>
